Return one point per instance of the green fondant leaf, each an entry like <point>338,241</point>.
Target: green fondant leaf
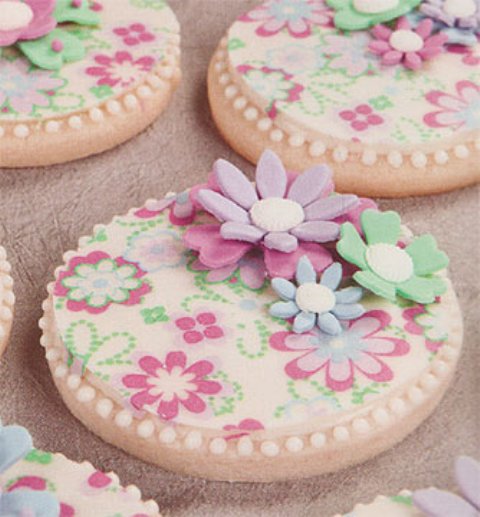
<point>351,246</point>
<point>83,15</point>
<point>422,290</point>
<point>374,283</point>
<point>381,227</point>
<point>426,256</point>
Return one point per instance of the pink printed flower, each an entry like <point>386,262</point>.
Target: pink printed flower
<point>423,321</point>
<point>134,34</point>
<point>361,117</point>
<point>360,348</point>
<point>243,428</point>
<point>165,386</point>
<point>203,326</point>
<point>405,45</point>
<point>94,282</point>
<point>31,19</point>
<point>182,211</point>
<point>99,480</point>
<point>297,16</point>
<point>456,111</point>
<point>470,55</point>
<point>348,53</point>
<point>121,69</point>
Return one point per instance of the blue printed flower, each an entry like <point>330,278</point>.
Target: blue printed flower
<point>15,443</point>
<point>313,303</point>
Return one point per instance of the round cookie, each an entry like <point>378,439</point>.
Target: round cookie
<point>100,72</point>
<point>214,352</point>
<point>34,482</point>
<point>285,77</point>
<point>7,300</point>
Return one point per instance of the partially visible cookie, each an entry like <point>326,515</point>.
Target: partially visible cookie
<point>7,299</point>
<point>80,77</point>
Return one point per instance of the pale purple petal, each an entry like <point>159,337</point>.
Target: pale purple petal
<point>241,232</point>
<point>442,504</point>
<point>281,241</point>
<point>271,177</point>
<point>467,474</point>
<point>310,185</point>
<point>234,184</point>
<point>331,207</point>
<point>317,231</point>
<point>221,207</point>
<point>221,274</point>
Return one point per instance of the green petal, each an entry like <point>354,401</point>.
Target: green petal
<point>351,246</point>
<point>422,290</point>
<point>66,12</point>
<point>40,52</point>
<point>426,256</point>
<point>380,226</point>
<point>377,285</point>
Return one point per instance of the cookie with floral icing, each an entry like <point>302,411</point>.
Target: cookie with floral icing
<point>253,332</point>
<point>78,77</point>
<point>42,484</point>
<point>7,299</point>
<point>388,93</point>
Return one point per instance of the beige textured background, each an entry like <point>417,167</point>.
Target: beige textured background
<point>42,214</point>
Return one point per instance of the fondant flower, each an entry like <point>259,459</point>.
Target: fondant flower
<point>297,16</point>
<point>354,15</point>
<point>167,386</point>
<point>94,282</point>
<point>405,45</point>
<point>424,320</point>
<point>15,444</point>
<point>360,348</point>
<point>386,268</point>
<point>313,303</point>
<point>285,221</point>
<point>439,503</point>
<point>182,211</point>
<point>349,53</point>
<point>120,69</point>
<point>456,111</point>
<point>25,20</point>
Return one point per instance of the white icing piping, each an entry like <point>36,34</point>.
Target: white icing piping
<point>7,298</point>
<point>166,72</point>
<point>316,148</point>
<point>154,430</point>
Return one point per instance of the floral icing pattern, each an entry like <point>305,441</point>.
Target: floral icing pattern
<point>424,320</point>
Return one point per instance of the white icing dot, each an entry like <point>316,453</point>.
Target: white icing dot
<point>397,405</point>
<point>251,114</point>
<point>419,159</point>
<point>318,440</point>
<point>440,367</point>
<point>218,446</point>
<point>166,72</point>
<point>461,151</point>
<point>240,103</point>
<point>193,440</point>
<point>406,41</point>
<point>21,131</point>
<point>369,157</point>
<point>167,435</point>
<point>276,135</point>
<point>294,444</point>
<point>152,507</point>
<point>449,352</point>
<point>231,91</point>
<point>75,122</point>
<point>389,262</point>
<point>381,416</point>
<point>9,298</point>
<point>361,426</point>
<point>52,126</point>
<point>85,394</point>
<point>114,107</point>
<point>130,101</point>
<point>340,154</point>
<point>145,429</point>
<point>123,418</point>
<point>60,371</point>
<point>395,158</point>
<point>6,314</point>
<point>219,66</point>
<point>477,144</point>
<point>224,79</point>
<point>264,124</point>
<point>296,140</point>
<point>315,298</point>
<point>441,157</point>
<point>104,407</point>
<point>96,115</point>
<point>415,394</point>
<point>245,446</point>
<point>269,448</point>
<point>429,381</point>
<point>374,6</point>
<point>460,8</point>
<point>52,355</point>
<point>134,492</point>
<point>341,434</point>
<point>317,148</point>
<point>277,214</point>
<point>2,131</point>
<point>14,15</point>
<point>144,92</point>
<point>155,81</point>
<point>73,381</point>
<point>221,55</point>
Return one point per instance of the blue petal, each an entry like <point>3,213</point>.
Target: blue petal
<point>348,311</point>
<point>460,36</point>
<point>21,502</point>
<point>15,443</point>
<point>284,288</point>
<point>305,272</point>
<point>329,324</point>
<point>284,309</point>
<point>332,276</point>
<point>349,295</point>
<point>304,322</point>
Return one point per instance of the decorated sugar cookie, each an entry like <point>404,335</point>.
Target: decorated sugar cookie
<point>7,300</point>
<point>431,502</point>
<point>253,332</point>
<point>42,484</point>
<point>78,77</point>
<point>386,92</point>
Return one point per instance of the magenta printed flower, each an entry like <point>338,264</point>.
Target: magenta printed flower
<point>361,117</point>
<point>95,282</point>
<point>470,55</point>
<point>456,111</point>
<point>134,34</point>
<point>423,321</point>
<point>182,211</point>
<point>166,387</point>
<point>203,326</point>
<point>120,69</point>
<point>297,16</point>
<point>405,45</point>
<point>243,428</point>
<point>360,348</point>
<point>284,219</point>
<point>25,20</point>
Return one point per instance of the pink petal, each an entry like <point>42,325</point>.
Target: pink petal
<point>403,24</point>
<point>208,387</point>
<point>200,369</point>
<point>380,346</point>
<point>299,28</point>
<point>218,275</point>
<point>150,365</point>
<point>413,61</point>
<point>339,375</point>
<point>168,410</point>
<point>310,185</point>
<point>373,368</point>
<point>438,40</point>
<point>299,342</point>
<point>272,26</point>
<point>253,274</point>
<point>445,101</point>
<point>370,323</point>
<point>194,404</point>
<point>174,359</point>
<point>382,32</point>
<point>258,14</point>
<point>468,91</point>
<point>379,47</point>
<point>393,57</point>
<point>424,28</point>
<point>135,381</point>
<point>271,177</point>
<point>312,362</point>
<point>144,398</point>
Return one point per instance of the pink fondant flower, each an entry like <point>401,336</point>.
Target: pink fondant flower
<point>182,211</point>
<point>423,321</point>
<point>243,428</point>
<point>120,69</point>
<point>167,386</point>
<point>94,282</point>
<point>33,19</point>
<point>456,111</point>
<point>361,117</point>
<point>134,34</point>
<point>405,45</point>
<point>297,16</point>
<point>201,327</point>
<point>361,349</point>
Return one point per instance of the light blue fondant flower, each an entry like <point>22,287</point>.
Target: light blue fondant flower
<point>15,443</point>
<point>311,303</point>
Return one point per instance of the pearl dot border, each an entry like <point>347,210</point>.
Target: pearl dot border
<point>7,297</point>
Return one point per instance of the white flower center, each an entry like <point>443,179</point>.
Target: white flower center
<point>390,262</point>
<point>315,298</point>
<point>172,384</point>
<point>374,6</point>
<point>14,15</point>
<point>460,8</point>
<point>276,214</point>
<point>406,41</point>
